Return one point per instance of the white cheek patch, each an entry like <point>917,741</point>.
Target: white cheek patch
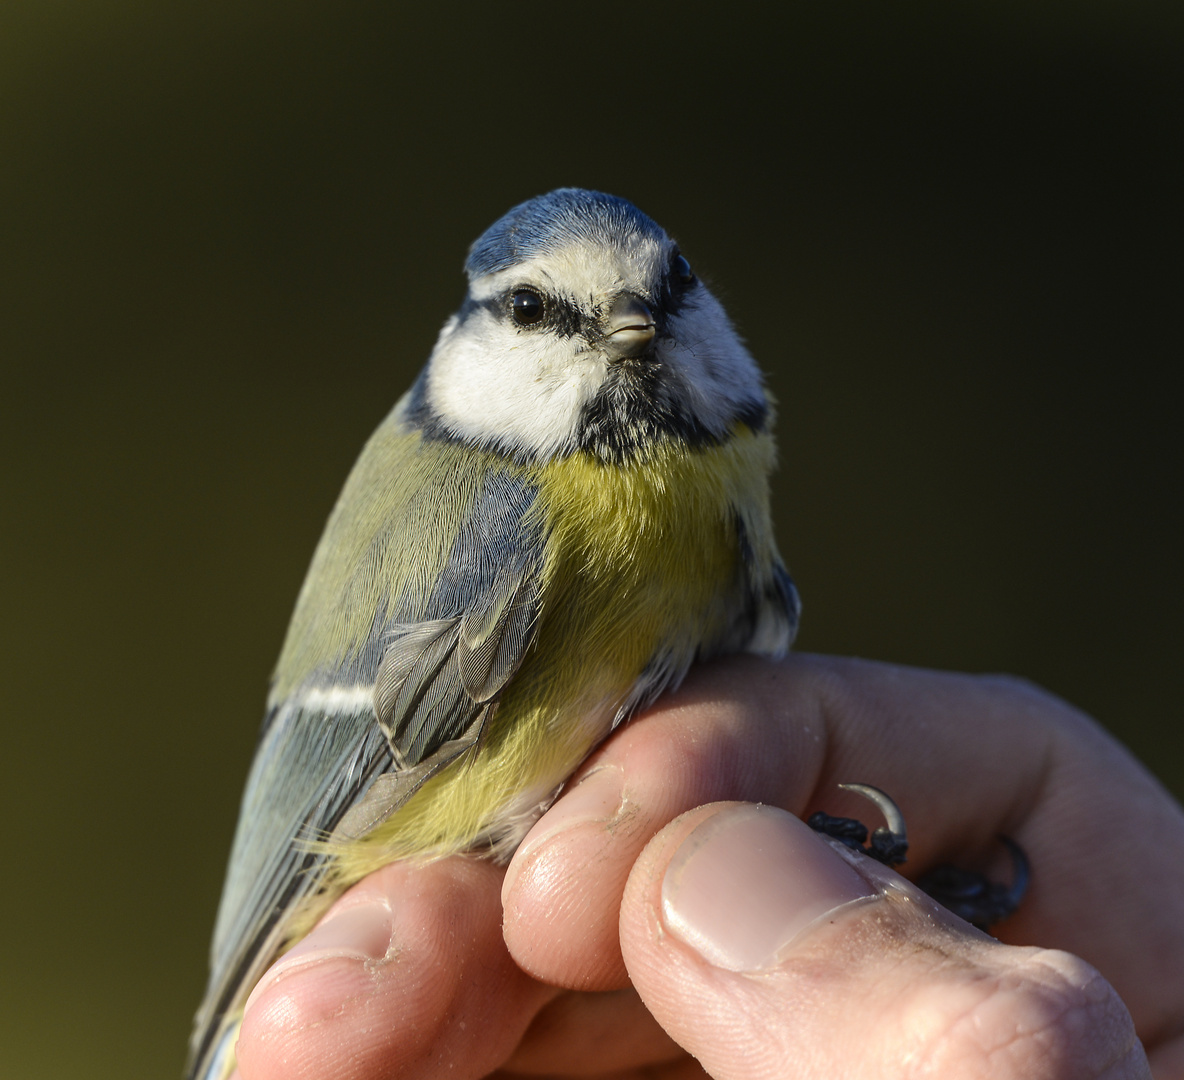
<point>523,390</point>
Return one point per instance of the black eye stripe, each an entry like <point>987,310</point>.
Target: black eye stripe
<point>556,315</point>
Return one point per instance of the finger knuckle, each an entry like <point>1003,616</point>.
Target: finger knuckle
<point>1051,1017</point>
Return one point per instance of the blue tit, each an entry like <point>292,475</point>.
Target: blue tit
<point>568,508</point>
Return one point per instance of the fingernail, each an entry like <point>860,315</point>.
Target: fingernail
<point>749,881</point>
<point>358,932</point>
<point>595,799</point>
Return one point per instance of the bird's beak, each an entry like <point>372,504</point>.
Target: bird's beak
<point>628,327</point>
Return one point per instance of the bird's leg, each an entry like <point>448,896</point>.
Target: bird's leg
<point>967,893</point>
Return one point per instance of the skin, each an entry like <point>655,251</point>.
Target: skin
<point>568,964</point>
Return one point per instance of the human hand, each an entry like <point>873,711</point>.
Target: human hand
<point>613,957</point>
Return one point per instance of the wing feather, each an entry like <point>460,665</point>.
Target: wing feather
<point>373,716</point>
<point>341,753</point>
<point>494,633</point>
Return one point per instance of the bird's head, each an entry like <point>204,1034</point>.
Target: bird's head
<point>585,328</point>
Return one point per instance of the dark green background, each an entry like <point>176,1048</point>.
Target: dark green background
<point>229,233</point>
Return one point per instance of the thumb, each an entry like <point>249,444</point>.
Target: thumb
<point>767,951</point>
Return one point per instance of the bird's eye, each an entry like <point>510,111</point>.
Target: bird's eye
<point>527,307</point>
<point>683,269</point>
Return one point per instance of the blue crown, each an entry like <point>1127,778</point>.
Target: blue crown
<point>553,221</point>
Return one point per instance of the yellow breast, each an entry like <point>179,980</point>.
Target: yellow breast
<point>642,574</point>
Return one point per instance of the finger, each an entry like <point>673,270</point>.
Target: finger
<point>767,951</point>
<point>593,1035</point>
<point>966,758</point>
<point>406,975</point>
<point>718,737</point>
<point>684,1068</point>
<point>1167,1060</point>
<point>776,733</point>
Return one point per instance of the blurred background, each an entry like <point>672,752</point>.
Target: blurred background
<point>229,233</point>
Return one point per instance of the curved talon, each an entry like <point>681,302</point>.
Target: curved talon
<point>891,812</point>
<point>966,893</point>
<point>887,845</point>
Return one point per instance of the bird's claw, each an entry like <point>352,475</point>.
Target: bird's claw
<point>968,894</point>
<point>887,845</point>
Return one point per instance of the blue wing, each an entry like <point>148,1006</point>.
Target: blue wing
<point>371,722</point>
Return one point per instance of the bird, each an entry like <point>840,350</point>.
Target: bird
<point>568,508</point>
